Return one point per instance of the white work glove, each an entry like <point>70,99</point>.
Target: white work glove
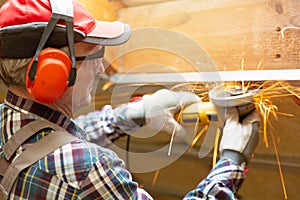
<point>239,139</point>
<point>161,107</point>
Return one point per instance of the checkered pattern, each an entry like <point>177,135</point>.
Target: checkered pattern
<point>222,183</point>
<point>78,170</point>
<point>84,170</point>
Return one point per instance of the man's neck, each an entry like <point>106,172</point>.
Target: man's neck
<point>60,106</point>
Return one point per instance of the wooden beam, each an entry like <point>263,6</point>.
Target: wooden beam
<point>236,34</point>
<point>2,2</point>
<point>131,3</point>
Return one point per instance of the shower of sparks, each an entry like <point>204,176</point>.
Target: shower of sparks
<point>200,89</point>
<point>263,100</point>
<point>268,90</point>
<point>192,90</point>
<point>266,108</point>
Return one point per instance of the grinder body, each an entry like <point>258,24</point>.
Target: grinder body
<point>221,97</point>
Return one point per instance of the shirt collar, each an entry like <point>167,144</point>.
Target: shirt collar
<point>41,111</point>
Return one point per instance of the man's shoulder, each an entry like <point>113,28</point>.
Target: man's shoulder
<point>85,153</point>
<point>76,160</point>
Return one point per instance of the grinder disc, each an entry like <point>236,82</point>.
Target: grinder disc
<point>231,95</point>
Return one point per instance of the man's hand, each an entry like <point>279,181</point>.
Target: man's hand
<point>161,107</point>
<point>239,139</point>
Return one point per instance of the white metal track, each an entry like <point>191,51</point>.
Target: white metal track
<point>218,76</point>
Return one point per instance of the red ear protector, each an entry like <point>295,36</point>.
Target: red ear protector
<point>51,70</point>
<point>52,74</point>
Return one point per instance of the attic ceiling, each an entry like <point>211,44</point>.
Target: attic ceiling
<point>179,36</point>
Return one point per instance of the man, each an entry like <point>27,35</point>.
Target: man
<point>79,169</point>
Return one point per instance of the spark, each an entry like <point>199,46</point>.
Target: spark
<point>155,179</point>
<point>203,130</point>
<point>285,114</point>
<point>172,137</point>
<point>259,64</point>
<point>279,167</point>
<point>107,86</point>
<point>216,147</point>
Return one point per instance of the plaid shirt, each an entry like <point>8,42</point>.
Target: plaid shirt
<point>78,170</point>
<point>222,183</point>
<point>84,170</point>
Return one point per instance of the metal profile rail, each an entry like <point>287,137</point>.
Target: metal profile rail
<point>217,76</point>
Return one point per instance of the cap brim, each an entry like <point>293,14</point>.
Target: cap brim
<point>109,33</point>
<point>25,38</point>
<point>21,41</point>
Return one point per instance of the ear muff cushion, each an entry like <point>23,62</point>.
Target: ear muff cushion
<point>51,77</point>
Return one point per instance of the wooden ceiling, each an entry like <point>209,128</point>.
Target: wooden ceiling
<point>254,34</point>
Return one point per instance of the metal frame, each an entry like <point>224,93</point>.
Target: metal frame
<point>217,76</point>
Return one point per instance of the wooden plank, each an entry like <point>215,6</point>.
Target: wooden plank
<point>2,2</point>
<point>131,3</point>
<point>236,34</point>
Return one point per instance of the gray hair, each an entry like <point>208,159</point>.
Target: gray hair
<point>13,71</point>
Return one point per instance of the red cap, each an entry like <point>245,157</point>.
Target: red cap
<point>23,21</point>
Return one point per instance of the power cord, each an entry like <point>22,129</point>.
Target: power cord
<point>127,152</point>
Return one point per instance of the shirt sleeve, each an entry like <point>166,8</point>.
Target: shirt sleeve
<point>109,179</point>
<point>106,125</point>
<point>222,183</point>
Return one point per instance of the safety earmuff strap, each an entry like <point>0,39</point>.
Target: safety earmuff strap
<point>61,10</point>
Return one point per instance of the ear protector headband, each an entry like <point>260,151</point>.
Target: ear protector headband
<point>51,70</point>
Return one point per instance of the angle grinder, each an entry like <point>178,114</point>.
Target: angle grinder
<point>221,97</point>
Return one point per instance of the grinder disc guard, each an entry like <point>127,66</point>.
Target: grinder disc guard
<point>231,95</point>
